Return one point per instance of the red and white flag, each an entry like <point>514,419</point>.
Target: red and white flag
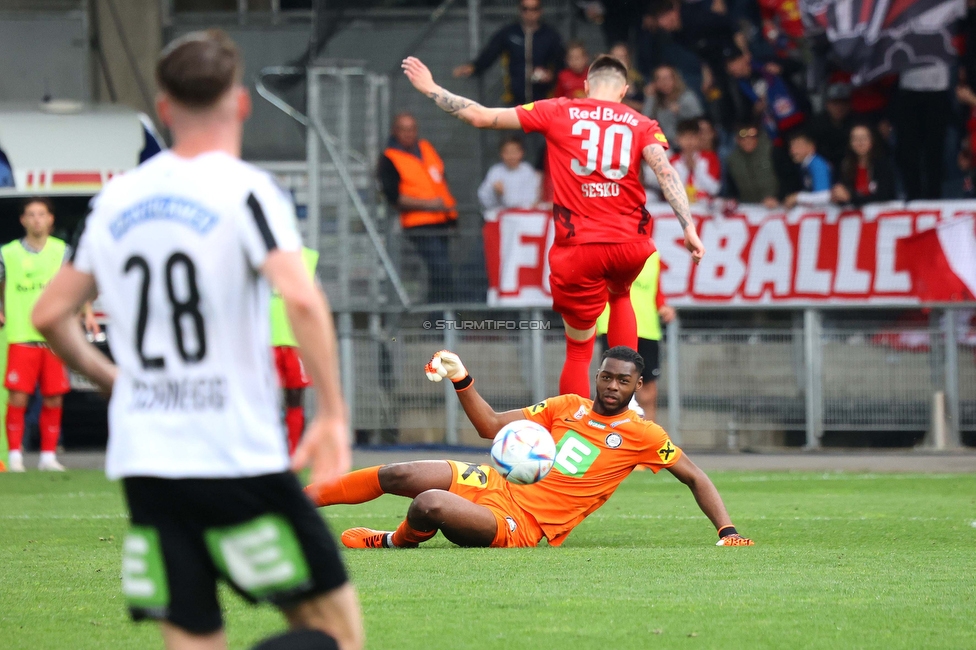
<point>942,261</point>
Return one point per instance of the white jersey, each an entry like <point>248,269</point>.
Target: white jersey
<point>175,247</point>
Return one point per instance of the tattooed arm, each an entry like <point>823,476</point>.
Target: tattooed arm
<point>462,108</point>
<point>676,195</point>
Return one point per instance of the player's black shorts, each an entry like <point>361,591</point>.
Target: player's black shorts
<point>650,351</point>
<point>259,534</point>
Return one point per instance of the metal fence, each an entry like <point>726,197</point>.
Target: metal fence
<point>718,388</point>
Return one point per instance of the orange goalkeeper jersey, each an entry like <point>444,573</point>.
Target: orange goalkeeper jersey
<point>594,454</point>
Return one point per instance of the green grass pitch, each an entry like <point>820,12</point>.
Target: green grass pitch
<point>841,561</point>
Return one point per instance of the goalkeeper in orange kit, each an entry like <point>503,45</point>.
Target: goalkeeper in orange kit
<point>598,443</point>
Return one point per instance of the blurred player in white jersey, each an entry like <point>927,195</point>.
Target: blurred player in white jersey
<point>182,249</point>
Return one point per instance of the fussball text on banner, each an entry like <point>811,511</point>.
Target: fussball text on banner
<point>754,255</point>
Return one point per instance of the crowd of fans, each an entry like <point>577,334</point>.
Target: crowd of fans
<point>752,113</point>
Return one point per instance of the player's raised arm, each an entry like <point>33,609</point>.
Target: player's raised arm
<point>466,110</point>
<point>676,195</point>
<point>487,422</point>
<point>708,500</point>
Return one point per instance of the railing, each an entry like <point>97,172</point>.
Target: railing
<point>819,379</point>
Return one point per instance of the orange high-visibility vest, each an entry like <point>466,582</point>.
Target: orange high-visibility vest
<point>422,178</point>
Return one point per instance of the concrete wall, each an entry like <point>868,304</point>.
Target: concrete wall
<point>43,54</point>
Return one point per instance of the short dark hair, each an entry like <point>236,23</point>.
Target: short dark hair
<point>197,69</point>
<point>690,125</point>
<point>801,134</point>
<point>606,63</point>
<point>511,139</point>
<point>43,200</point>
<point>658,8</point>
<point>623,353</point>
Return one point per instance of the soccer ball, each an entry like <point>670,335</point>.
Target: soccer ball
<point>523,452</point>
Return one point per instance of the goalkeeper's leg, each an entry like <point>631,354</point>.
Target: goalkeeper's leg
<point>402,479</point>
<point>462,522</point>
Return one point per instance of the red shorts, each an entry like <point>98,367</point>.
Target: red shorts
<point>291,370</point>
<point>26,364</point>
<point>581,277</point>
<point>481,484</point>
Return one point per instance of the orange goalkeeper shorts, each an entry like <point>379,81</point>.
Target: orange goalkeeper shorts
<point>481,484</point>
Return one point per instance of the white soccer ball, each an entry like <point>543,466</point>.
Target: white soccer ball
<point>523,452</point>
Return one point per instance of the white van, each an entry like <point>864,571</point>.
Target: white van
<point>66,151</point>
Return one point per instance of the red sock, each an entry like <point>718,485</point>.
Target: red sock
<point>295,422</point>
<point>355,487</point>
<point>622,329</point>
<point>50,423</point>
<point>15,426</point>
<point>406,536</point>
<point>575,377</point>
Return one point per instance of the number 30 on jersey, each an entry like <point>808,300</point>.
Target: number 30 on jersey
<point>592,148</point>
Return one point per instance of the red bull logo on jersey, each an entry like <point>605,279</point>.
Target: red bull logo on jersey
<point>604,114</point>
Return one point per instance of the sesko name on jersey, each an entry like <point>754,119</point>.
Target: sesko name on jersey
<point>605,114</point>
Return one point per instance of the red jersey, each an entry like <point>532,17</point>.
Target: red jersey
<point>594,151</point>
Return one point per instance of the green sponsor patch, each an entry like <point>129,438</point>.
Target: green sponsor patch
<point>262,557</point>
<point>574,455</point>
<point>143,576</point>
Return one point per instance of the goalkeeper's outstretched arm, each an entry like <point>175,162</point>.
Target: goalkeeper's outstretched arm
<point>466,110</point>
<point>487,422</point>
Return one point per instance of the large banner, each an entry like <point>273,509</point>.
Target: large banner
<point>758,256</point>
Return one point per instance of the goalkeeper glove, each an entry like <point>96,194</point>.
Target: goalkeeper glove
<point>445,364</point>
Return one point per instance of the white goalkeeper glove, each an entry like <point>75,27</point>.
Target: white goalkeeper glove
<point>445,364</point>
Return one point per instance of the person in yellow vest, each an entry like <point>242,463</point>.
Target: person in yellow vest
<point>411,175</point>
<point>26,266</point>
<point>291,370</point>
<point>651,310</point>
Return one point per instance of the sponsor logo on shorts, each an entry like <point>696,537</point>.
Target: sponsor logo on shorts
<point>614,440</point>
<point>511,524</point>
<point>597,425</point>
<point>473,475</point>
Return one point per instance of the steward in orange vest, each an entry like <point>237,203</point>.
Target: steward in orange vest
<point>412,176</point>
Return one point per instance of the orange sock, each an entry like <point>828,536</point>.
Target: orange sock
<point>355,487</point>
<point>406,536</point>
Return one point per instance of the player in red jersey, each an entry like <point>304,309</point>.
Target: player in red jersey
<point>603,230</point>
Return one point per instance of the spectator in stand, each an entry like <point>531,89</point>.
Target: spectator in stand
<point>635,80</point>
<point>762,92</point>
<point>965,162</point>
<point>782,27</point>
<point>534,55</point>
<point>668,101</point>
<point>511,183</point>
<point>6,173</point>
<point>411,175</point>
<point>921,117</point>
<point>570,80</point>
<point>700,171</point>
<point>709,136</point>
<point>866,174</point>
<point>831,129</point>
<point>749,168</point>
<point>814,172</point>
<point>700,29</point>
